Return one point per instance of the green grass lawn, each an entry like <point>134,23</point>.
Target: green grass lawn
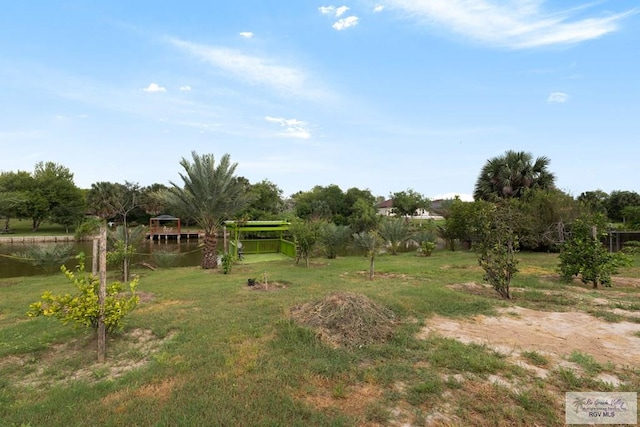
<point>23,227</point>
<point>205,349</point>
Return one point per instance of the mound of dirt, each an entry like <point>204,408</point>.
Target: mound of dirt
<point>347,319</point>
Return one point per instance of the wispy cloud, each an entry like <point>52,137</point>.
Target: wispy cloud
<point>344,23</point>
<point>332,10</point>
<point>378,8</point>
<point>246,34</point>
<point>516,24</point>
<point>154,87</point>
<point>253,69</point>
<point>185,88</point>
<point>557,98</point>
<point>293,128</point>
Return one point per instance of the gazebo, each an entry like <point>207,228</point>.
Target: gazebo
<point>164,225</point>
<point>275,243</point>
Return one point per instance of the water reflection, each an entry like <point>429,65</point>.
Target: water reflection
<point>190,255</point>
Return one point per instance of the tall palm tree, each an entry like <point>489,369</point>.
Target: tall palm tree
<point>210,194</point>
<point>511,174</point>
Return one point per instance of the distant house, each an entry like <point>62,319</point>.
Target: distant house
<point>385,208</point>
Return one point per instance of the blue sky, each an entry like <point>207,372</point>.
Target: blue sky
<point>386,95</point>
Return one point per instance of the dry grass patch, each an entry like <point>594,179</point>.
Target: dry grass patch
<point>352,400</point>
<point>75,360</point>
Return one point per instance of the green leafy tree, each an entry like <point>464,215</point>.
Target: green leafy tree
<point>124,244</point>
<point>53,196</point>
<point>542,217</point>
<point>408,203</point>
<point>9,204</point>
<point>371,243</point>
<point>363,215</point>
<point>115,200</point>
<point>395,232</point>
<point>594,202</point>
<point>152,199</point>
<point>210,194</point>
<point>511,175</point>
<point>326,203</point>
<point>266,201</point>
<point>463,221</point>
<point>334,238</point>
<point>82,308</point>
<point>583,254</point>
<point>305,235</point>
<point>496,246</point>
<point>632,217</point>
<point>618,201</point>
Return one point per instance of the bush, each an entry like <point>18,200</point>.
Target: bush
<point>631,247</point>
<point>226,262</point>
<point>583,254</point>
<point>83,308</point>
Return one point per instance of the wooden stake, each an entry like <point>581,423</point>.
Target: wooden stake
<point>102,294</point>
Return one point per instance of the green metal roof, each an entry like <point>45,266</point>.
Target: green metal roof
<point>258,225</point>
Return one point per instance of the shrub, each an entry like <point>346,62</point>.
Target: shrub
<point>584,255</point>
<point>83,308</point>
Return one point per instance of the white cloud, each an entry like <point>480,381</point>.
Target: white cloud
<point>332,10</point>
<point>516,24</point>
<point>252,69</point>
<point>558,98</point>
<point>246,34</point>
<point>349,21</point>
<point>293,128</point>
<point>154,87</point>
<point>378,8</point>
<point>185,88</point>
<point>341,10</point>
<point>327,10</point>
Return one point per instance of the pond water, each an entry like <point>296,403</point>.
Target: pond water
<point>183,254</point>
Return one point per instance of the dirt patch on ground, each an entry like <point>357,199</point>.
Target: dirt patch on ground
<point>352,400</point>
<point>347,319</point>
<point>268,286</point>
<point>550,333</point>
<point>76,360</point>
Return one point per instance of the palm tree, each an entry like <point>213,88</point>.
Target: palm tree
<point>371,242</point>
<point>394,232</point>
<point>210,194</point>
<point>511,174</point>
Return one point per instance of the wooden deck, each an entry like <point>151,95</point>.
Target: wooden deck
<point>159,236</point>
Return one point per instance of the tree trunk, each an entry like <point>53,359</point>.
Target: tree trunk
<point>371,268</point>
<point>210,251</point>
<point>6,224</point>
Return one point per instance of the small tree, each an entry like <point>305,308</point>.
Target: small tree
<point>334,238</point>
<point>305,234</point>
<point>83,308</point>
<point>426,241</point>
<point>584,255</point>
<point>124,243</point>
<point>496,247</point>
<point>395,232</point>
<point>371,242</point>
